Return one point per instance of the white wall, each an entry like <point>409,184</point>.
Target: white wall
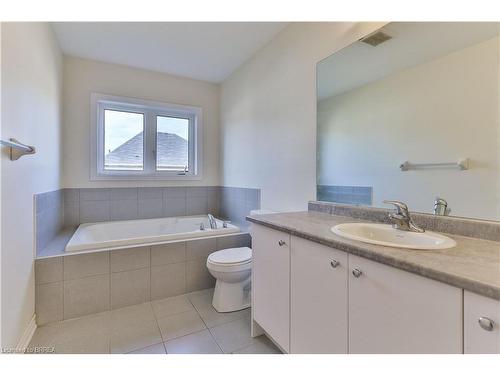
<point>442,110</point>
<point>82,77</point>
<point>268,113</point>
<point>31,112</point>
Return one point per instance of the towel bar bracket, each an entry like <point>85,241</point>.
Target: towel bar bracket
<point>18,149</point>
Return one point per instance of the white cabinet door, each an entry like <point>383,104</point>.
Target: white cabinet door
<point>393,311</point>
<point>484,336</point>
<point>318,298</point>
<point>271,283</point>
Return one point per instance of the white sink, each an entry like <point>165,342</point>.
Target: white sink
<point>386,235</point>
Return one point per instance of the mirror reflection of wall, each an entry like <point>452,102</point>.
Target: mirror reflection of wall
<point>429,94</point>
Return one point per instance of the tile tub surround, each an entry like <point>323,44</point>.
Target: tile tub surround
<point>185,324</point>
<point>73,285</point>
<point>473,264</point>
<point>483,229</point>
<point>68,208</point>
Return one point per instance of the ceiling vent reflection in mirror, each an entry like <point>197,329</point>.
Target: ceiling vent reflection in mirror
<point>376,38</point>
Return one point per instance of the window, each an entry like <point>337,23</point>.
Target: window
<point>136,139</point>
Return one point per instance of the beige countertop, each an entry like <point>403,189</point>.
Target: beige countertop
<point>474,264</point>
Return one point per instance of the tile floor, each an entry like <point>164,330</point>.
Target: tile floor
<point>186,324</point>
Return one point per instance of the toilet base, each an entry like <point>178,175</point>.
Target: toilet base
<point>232,296</point>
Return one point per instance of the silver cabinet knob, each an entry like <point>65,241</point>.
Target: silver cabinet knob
<point>281,243</point>
<point>334,263</point>
<point>356,272</point>
<point>486,323</point>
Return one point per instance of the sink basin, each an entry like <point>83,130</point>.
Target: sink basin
<point>386,235</point>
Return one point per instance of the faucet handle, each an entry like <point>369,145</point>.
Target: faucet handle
<point>401,208</point>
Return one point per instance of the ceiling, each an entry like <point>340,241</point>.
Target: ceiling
<point>413,43</point>
<point>208,51</point>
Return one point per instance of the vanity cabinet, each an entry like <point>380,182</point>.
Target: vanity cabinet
<point>393,311</point>
<point>481,324</point>
<point>310,298</point>
<point>271,283</point>
<point>318,298</point>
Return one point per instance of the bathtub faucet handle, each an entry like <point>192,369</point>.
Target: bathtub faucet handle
<point>212,221</point>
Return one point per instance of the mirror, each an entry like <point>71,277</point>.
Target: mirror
<point>411,113</point>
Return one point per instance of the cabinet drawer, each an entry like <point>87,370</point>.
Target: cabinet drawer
<point>271,283</point>
<point>484,336</point>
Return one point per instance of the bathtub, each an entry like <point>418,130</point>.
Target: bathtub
<point>130,233</point>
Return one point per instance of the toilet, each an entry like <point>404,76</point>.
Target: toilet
<point>232,268</point>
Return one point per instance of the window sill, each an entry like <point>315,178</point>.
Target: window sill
<point>145,178</point>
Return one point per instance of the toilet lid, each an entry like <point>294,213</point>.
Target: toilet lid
<point>231,256</point>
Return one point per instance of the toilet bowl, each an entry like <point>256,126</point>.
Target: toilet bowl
<point>232,268</point>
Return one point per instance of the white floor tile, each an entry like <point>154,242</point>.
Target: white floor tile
<point>171,306</point>
<point>140,329</point>
<point>233,336</point>
<point>89,334</point>
<point>133,328</point>
<point>153,349</point>
<point>182,324</point>
<point>201,298</point>
<point>213,318</point>
<point>261,345</point>
<point>196,343</point>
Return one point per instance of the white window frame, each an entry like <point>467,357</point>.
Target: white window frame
<point>150,109</point>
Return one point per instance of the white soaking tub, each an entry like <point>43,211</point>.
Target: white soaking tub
<point>130,233</point>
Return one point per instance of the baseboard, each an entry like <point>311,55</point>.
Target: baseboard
<point>27,335</point>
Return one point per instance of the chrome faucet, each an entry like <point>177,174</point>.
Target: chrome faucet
<point>401,218</point>
<point>212,221</point>
<point>441,207</point>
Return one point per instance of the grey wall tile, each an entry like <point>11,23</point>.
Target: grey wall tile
<point>345,194</point>
<point>130,287</point>
<point>91,194</point>
<point>200,249</point>
<point>48,217</point>
<point>197,276</point>
<point>71,195</point>
<point>150,208</point>
<point>123,209</point>
<point>94,211</point>
<point>48,270</point>
<point>130,259</point>
<point>49,302</point>
<point>175,207</point>
<point>71,214</point>
<point>196,191</point>
<point>196,206</point>
<point>236,240</point>
<point>123,194</point>
<point>174,192</point>
<point>213,200</point>
<point>84,265</point>
<point>168,253</point>
<point>151,193</point>
<point>86,296</point>
<point>168,280</point>
<point>41,202</point>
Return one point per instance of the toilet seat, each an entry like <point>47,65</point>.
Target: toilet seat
<point>237,256</point>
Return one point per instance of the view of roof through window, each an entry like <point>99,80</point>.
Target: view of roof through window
<point>124,142</point>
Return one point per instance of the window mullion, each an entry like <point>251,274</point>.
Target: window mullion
<point>149,143</point>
